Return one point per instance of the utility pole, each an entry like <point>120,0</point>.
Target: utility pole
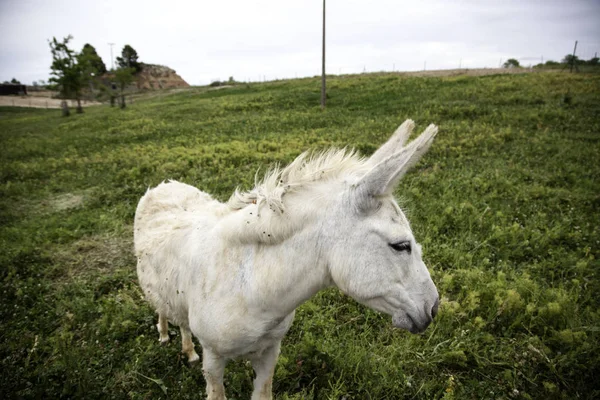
<point>323,92</point>
<point>112,61</point>
<point>573,57</point>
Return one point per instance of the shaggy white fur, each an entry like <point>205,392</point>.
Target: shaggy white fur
<point>306,170</point>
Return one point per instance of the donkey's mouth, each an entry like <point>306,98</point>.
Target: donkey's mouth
<point>405,321</point>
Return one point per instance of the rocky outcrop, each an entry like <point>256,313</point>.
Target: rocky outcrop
<point>158,77</point>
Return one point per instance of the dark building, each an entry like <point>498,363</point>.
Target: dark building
<point>10,88</point>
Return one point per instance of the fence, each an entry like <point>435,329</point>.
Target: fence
<point>585,51</point>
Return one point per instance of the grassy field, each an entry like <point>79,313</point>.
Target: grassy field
<point>506,205</point>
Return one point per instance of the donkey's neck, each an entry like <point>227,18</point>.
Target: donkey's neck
<point>286,274</point>
<point>284,260</point>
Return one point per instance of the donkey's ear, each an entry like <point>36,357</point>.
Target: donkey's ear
<point>394,143</point>
<point>384,176</point>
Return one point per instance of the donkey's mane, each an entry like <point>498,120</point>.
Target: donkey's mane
<point>307,170</point>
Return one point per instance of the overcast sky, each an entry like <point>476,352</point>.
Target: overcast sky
<point>251,40</point>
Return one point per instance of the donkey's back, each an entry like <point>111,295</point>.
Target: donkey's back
<point>166,219</point>
<point>166,209</point>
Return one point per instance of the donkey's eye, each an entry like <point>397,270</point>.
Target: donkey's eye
<point>401,246</point>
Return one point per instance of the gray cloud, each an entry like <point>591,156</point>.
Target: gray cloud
<point>205,40</point>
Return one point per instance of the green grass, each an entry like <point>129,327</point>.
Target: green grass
<point>506,205</point>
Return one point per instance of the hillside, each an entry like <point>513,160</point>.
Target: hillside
<point>505,206</point>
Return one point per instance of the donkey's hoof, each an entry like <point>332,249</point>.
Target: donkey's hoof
<point>163,340</point>
<point>193,359</point>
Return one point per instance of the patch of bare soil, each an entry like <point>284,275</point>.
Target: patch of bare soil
<point>42,93</point>
<point>52,204</point>
<point>220,87</point>
<point>56,203</point>
<point>66,201</point>
<point>40,102</point>
<point>94,254</point>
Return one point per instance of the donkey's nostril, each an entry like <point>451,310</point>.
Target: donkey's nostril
<point>434,310</point>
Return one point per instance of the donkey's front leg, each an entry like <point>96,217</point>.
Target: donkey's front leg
<point>264,366</point>
<point>213,367</point>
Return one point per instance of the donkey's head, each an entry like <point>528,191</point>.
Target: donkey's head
<point>374,256</point>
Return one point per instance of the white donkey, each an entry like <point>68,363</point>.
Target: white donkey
<point>232,274</point>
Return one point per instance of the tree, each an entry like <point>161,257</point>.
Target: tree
<point>511,63</point>
<point>91,59</point>
<point>14,81</point>
<point>129,59</point>
<point>593,61</point>
<point>66,72</point>
<point>91,65</point>
<point>570,59</point>
<point>124,76</point>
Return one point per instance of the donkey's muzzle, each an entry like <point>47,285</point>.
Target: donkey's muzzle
<point>420,325</point>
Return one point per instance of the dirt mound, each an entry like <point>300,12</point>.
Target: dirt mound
<point>158,77</point>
